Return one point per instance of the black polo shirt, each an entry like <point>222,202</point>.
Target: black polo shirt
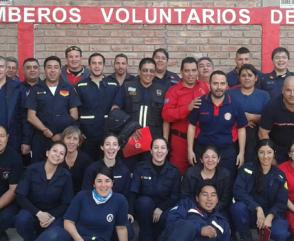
<point>279,121</point>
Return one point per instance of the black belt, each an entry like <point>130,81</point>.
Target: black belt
<point>178,133</point>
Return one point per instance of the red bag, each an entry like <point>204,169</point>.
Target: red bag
<point>138,142</point>
<point>264,234</point>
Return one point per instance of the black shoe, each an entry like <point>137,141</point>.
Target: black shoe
<point>4,236</point>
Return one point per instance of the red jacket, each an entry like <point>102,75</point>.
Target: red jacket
<point>177,100</point>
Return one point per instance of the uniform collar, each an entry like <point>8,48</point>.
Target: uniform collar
<point>227,99</point>
<point>273,75</point>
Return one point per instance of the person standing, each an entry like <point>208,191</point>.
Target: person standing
<point>52,106</point>
<point>180,100</point>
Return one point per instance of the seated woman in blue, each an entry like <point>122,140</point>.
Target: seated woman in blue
<point>209,170</point>
<point>261,196</point>
<point>95,214</point>
<point>43,194</point>
<point>196,219</point>
<point>121,174</point>
<point>253,102</point>
<point>75,161</point>
<point>154,189</point>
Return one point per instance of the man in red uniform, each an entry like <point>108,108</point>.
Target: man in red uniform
<point>180,100</point>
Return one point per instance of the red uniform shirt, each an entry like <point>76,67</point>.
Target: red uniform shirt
<point>177,100</point>
<point>288,169</point>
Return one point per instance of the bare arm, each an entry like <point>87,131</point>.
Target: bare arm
<point>122,233</point>
<point>166,129</point>
<point>70,227</point>
<point>242,143</point>
<point>8,196</point>
<point>190,141</point>
<point>263,133</point>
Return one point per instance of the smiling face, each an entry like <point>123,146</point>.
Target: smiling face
<point>56,154</point>
<point>96,66</point>
<point>266,156</point>
<point>218,85</point>
<point>103,185</point>
<point>207,198</point>
<point>210,159</point>
<point>120,65</point>
<point>52,71</point>
<point>189,74</point>
<point>72,142</point>
<point>247,79</point>
<point>161,62</point>
<point>280,61</point>
<point>147,74</point>
<point>159,151</point>
<point>74,60</point>
<point>31,71</point>
<point>110,147</point>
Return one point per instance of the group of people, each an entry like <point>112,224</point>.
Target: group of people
<point>221,159</point>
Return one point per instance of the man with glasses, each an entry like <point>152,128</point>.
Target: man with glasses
<point>74,71</point>
<point>273,81</point>
<point>277,120</point>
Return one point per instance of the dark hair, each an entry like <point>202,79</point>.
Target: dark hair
<point>159,138</point>
<point>204,183</point>
<point>109,135</point>
<point>292,143</point>
<point>4,128</point>
<point>259,176</point>
<point>205,58</point>
<point>217,72</point>
<point>55,58</point>
<point>248,67</point>
<point>71,48</point>
<point>94,55</point>
<point>242,50</point>
<point>30,60</point>
<point>120,56</point>
<point>104,170</point>
<point>210,147</point>
<point>160,50</point>
<point>280,50</point>
<point>188,60</point>
<point>58,143</point>
<point>146,61</point>
<point>12,59</point>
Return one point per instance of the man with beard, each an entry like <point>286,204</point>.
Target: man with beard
<point>217,118</point>
<point>52,106</point>
<point>120,74</point>
<point>97,97</point>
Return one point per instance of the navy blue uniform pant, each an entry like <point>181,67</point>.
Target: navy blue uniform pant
<point>244,219</point>
<point>149,231</point>
<point>7,216</point>
<point>28,226</point>
<point>40,145</point>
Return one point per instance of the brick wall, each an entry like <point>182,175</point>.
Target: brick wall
<point>137,41</point>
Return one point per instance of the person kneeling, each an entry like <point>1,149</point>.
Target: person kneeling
<point>197,219</point>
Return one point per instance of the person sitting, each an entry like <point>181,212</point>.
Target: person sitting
<point>197,218</point>
<point>75,161</point>
<point>154,189</point>
<point>261,196</point>
<point>288,169</point>
<point>43,194</point>
<point>209,170</point>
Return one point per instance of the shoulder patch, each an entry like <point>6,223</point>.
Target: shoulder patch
<point>248,171</point>
<point>82,84</point>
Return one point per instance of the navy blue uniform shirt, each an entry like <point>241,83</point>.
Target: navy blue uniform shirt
<point>216,123</point>
<point>10,169</point>
<point>97,222</point>
<point>163,187</point>
<point>169,79</point>
<point>53,110</point>
<point>96,104</point>
<point>274,196</point>
<point>35,192</point>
